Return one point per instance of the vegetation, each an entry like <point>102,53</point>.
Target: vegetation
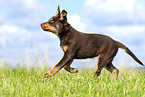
<point>23,82</point>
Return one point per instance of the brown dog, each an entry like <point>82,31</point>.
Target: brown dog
<point>77,45</point>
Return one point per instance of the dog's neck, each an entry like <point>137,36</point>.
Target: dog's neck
<point>65,34</point>
<point>65,31</point>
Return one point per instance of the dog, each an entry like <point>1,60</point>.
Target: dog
<point>77,45</point>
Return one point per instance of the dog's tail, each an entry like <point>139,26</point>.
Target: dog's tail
<point>122,46</point>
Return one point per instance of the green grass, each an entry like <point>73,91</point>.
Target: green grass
<point>31,83</point>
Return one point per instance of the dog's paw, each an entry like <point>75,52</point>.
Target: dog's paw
<point>48,74</point>
<point>74,70</point>
<point>94,75</point>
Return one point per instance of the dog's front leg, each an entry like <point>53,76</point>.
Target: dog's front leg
<point>64,61</point>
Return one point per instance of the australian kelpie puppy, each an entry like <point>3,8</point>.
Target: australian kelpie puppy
<point>77,45</point>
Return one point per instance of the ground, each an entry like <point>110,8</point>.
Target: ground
<point>24,82</point>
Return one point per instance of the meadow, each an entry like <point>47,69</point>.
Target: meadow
<point>29,82</point>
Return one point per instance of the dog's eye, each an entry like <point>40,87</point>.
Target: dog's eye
<point>52,21</point>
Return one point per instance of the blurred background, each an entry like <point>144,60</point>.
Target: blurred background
<point>23,42</point>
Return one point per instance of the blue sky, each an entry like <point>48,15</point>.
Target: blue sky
<point>21,34</point>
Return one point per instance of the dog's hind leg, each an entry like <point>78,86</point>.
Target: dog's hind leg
<point>70,69</point>
<point>104,59</point>
<point>96,68</point>
<point>112,69</point>
<point>101,62</point>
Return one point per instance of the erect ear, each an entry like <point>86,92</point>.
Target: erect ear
<point>58,11</point>
<point>63,16</point>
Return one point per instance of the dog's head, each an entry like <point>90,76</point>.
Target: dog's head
<point>57,23</point>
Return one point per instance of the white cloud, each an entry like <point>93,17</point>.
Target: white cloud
<point>19,18</point>
<point>30,3</point>
<point>131,34</point>
<point>119,12</point>
<point>75,21</point>
<point>112,17</point>
<point>22,12</point>
<point>23,3</point>
<point>2,42</point>
<point>10,33</point>
<point>126,30</point>
<point>123,20</point>
<point>20,21</point>
<point>11,29</point>
<point>1,18</point>
<point>111,5</point>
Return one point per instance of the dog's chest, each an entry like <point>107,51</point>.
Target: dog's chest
<point>64,48</point>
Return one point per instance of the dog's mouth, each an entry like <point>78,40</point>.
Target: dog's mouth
<point>45,28</point>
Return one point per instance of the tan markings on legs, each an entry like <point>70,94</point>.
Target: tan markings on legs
<point>57,26</point>
<point>53,71</point>
<point>64,61</point>
<point>113,70</point>
<point>96,68</point>
<point>64,48</point>
<point>70,69</point>
<point>115,73</point>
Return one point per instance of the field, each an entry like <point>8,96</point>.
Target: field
<point>23,82</point>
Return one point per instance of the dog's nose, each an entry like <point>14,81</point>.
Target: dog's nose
<point>42,25</point>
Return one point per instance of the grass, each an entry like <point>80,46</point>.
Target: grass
<point>23,82</point>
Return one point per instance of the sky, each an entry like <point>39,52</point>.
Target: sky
<point>22,36</point>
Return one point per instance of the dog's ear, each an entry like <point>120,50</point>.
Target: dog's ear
<point>58,11</point>
<point>63,15</point>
